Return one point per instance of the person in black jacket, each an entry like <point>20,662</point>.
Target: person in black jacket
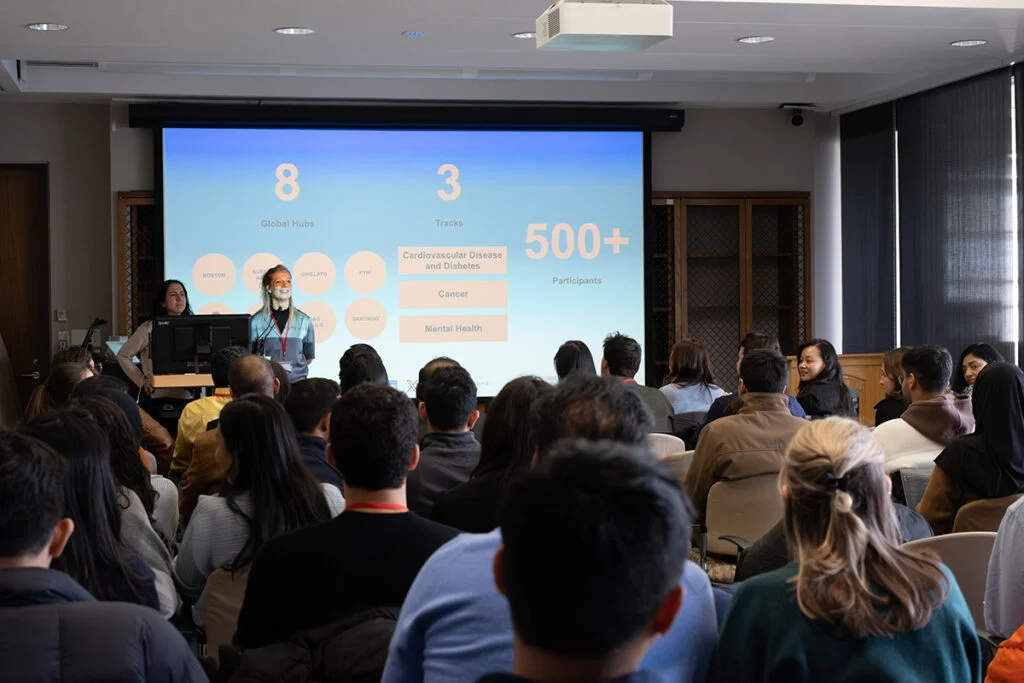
<point>51,628</point>
<point>309,407</point>
<point>822,390</point>
<point>449,451</point>
<point>505,453</point>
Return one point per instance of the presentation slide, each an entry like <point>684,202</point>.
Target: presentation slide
<point>491,247</point>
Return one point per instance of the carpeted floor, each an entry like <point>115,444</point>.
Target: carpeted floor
<point>719,571</point>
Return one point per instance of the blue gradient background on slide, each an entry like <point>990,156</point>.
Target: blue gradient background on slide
<point>377,191</point>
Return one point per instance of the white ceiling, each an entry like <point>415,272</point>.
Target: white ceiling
<point>832,54</point>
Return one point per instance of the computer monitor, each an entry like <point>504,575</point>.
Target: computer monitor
<point>182,345</point>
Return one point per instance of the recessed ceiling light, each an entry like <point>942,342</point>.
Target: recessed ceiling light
<point>294,31</point>
<point>974,42</point>
<point>525,35</point>
<point>47,26</point>
<point>755,40</point>
<point>413,34</point>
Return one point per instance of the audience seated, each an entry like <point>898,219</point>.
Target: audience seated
<point>55,392</point>
<point>894,403</point>
<point>309,406</point>
<point>51,628</point>
<point>267,492</point>
<point>856,606</point>
<point>689,385</point>
<point>593,543</point>
<point>505,453</point>
<point>973,360</point>
<point>283,382</point>
<point>754,341</point>
<point>574,356</point>
<point>822,391</point>
<point>455,626</point>
<point>197,414</point>
<point>365,558</point>
<point>1004,590</point>
<point>155,438</point>
<point>249,374</point>
<point>94,556</point>
<point>353,352</point>
<point>751,442</point>
<point>136,497</point>
<point>74,354</point>
<point>988,463</point>
<point>934,419</point>
<point>363,368</point>
<point>449,451</point>
<point>622,361</point>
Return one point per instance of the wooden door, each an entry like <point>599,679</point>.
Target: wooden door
<point>25,273</point>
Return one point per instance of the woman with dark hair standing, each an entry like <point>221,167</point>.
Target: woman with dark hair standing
<point>893,405</point>
<point>136,496</point>
<point>690,385</point>
<point>267,491</point>
<point>94,556</point>
<point>988,463</point>
<point>56,390</point>
<point>172,300</point>
<point>574,356</point>
<point>506,451</point>
<point>822,389</point>
<point>972,361</point>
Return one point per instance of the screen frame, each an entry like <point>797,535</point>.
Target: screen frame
<point>512,117</point>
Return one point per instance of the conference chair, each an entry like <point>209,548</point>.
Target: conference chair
<point>665,444</point>
<point>225,592</point>
<point>744,510</point>
<point>687,426</point>
<point>679,463</point>
<point>967,556</point>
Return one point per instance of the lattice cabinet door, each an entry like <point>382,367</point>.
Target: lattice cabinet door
<point>779,297</point>
<point>663,312</point>
<point>140,259</point>
<point>715,280</point>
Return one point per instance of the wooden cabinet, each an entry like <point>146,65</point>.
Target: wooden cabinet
<point>725,265</point>
<point>140,265</point>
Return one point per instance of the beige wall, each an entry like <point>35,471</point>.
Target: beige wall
<point>73,141</point>
<point>735,150</point>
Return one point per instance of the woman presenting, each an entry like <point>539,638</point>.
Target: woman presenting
<point>173,300</point>
<point>279,331</point>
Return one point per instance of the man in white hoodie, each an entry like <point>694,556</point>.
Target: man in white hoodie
<point>935,417</point>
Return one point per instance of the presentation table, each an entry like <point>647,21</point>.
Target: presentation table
<point>182,381</point>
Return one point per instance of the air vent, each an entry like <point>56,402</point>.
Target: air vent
<point>65,65</point>
<point>554,22</point>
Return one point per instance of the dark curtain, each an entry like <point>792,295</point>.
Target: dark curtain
<point>869,229</point>
<point>1018,77</point>
<point>955,215</point>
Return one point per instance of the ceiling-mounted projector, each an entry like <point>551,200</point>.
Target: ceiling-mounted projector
<point>604,25</point>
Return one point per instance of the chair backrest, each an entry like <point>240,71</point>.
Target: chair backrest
<point>967,556</point>
<point>665,444</point>
<point>746,508</point>
<point>225,592</point>
<point>687,426</point>
<point>679,463</point>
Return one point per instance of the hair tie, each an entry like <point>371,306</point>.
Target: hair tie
<point>834,483</point>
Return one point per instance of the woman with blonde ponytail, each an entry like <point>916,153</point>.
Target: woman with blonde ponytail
<point>854,605</point>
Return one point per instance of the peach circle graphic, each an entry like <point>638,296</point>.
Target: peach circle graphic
<point>366,318</point>
<point>254,268</point>
<point>215,308</point>
<point>254,309</point>
<point>324,320</point>
<point>365,272</point>
<point>214,274</point>
<point>314,273</point>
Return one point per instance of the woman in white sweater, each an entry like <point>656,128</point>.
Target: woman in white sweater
<point>267,491</point>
